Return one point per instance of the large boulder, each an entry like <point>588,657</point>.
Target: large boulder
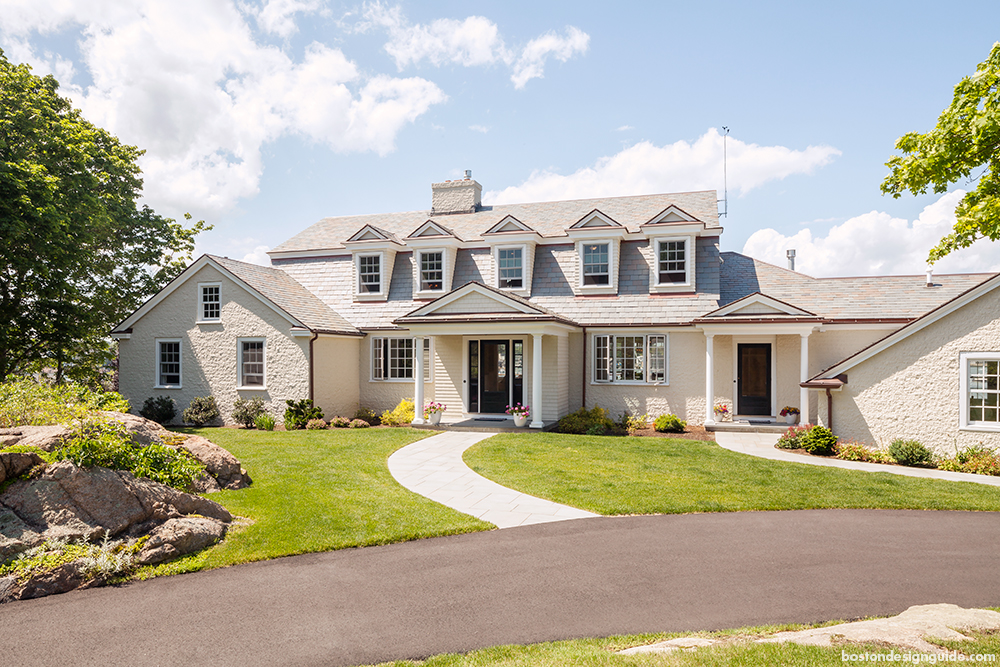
<point>47,438</point>
<point>180,536</point>
<point>219,463</point>
<point>14,464</point>
<point>143,431</point>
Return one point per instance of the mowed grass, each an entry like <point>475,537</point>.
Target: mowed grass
<point>318,491</point>
<point>631,475</point>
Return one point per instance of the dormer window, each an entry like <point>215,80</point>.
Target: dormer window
<point>431,271</point>
<point>369,274</point>
<point>510,268</point>
<point>209,302</point>
<point>671,262</point>
<point>595,264</point>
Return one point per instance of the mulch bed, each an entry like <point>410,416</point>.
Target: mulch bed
<point>690,433</point>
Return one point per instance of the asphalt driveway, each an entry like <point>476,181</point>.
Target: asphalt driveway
<point>589,577</point>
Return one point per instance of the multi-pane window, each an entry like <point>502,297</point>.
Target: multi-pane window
<point>370,274</point>
<point>252,363</point>
<point>510,268</point>
<point>671,262</point>
<point>392,359</point>
<point>630,358</point>
<point>211,304</point>
<point>168,363</point>
<point>984,391</point>
<point>431,271</point>
<point>595,264</point>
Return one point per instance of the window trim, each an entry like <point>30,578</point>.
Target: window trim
<point>428,365</point>
<point>690,250</point>
<point>381,275</point>
<point>200,318</point>
<point>420,291</point>
<point>180,363</point>
<point>523,247</point>
<point>239,364</point>
<point>611,347</point>
<point>965,424</point>
<point>612,285</point>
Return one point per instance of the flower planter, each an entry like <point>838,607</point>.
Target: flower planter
<point>520,420</point>
<point>434,418</point>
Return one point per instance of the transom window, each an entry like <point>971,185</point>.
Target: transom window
<point>671,262</point>
<point>168,363</point>
<point>370,274</point>
<point>211,303</point>
<point>510,268</point>
<point>595,264</point>
<point>630,359</point>
<point>431,271</point>
<point>252,363</point>
<point>392,359</point>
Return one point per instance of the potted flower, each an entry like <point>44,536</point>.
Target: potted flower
<point>789,414</point>
<point>721,412</point>
<point>520,413</point>
<point>432,412</point>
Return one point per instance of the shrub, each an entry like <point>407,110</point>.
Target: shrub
<point>910,453</point>
<point>631,423</point>
<point>246,411</point>
<point>160,409</point>
<point>24,402</point>
<point>819,440</point>
<point>669,424</point>
<point>315,425</point>
<point>858,451</point>
<point>368,415</point>
<point>264,422</point>
<point>342,422</point>
<point>298,413</point>
<point>583,420</point>
<point>401,415</point>
<point>359,423</point>
<point>597,429</point>
<point>974,459</point>
<point>792,438</point>
<point>201,411</point>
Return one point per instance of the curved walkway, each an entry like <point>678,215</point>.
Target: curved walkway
<point>762,446</point>
<point>433,467</point>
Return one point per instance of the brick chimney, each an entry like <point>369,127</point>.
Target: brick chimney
<point>460,196</point>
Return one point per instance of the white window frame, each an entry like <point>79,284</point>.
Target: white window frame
<point>180,364</point>
<point>523,247</point>
<point>965,359</point>
<point>690,250</point>
<point>377,361</point>
<point>381,274</point>
<point>239,364</point>
<point>201,319</point>
<point>610,346</point>
<point>612,268</point>
<point>420,271</point>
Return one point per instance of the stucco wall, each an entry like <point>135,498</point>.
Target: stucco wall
<point>911,390</point>
<point>209,352</point>
<point>336,379</point>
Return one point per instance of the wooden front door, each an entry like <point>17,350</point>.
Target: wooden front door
<point>753,379</point>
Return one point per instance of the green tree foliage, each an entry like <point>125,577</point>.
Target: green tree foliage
<point>77,252</point>
<point>965,144</point>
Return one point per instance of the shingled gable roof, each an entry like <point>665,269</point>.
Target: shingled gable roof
<point>272,286</point>
<point>549,219</point>
<point>775,309</point>
<point>913,327</point>
<point>523,309</point>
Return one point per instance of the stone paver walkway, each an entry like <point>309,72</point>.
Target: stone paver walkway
<point>762,445</point>
<point>433,467</point>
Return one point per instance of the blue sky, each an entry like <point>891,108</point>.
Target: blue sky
<point>262,117</point>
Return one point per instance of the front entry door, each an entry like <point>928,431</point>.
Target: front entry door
<point>754,379</point>
<point>494,362</point>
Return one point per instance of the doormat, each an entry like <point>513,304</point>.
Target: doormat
<point>490,419</point>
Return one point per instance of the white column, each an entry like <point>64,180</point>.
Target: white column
<point>804,375</point>
<point>418,380</point>
<point>709,379</point>
<point>536,382</point>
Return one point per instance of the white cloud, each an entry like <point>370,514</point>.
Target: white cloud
<point>278,16</point>
<point>646,168</point>
<point>189,82</point>
<point>258,256</point>
<point>479,128</point>
<point>624,128</point>
<point>876,243</point>
<point>474,41</point>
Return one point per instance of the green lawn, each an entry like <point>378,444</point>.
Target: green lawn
<point>318,491</point>
<point>632,475</point>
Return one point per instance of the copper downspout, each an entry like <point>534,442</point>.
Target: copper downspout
<point>829,409</point>
<point>584,367</point>
<point>312,363</point>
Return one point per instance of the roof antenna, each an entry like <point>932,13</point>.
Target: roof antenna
<point>725,181</point>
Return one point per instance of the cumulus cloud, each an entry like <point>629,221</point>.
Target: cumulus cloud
<point>645,168</point>
<point>189,82</point>
<point>471,42</point>
<point>278,16</point>
<point>876,243</point>
<point>258,256</point>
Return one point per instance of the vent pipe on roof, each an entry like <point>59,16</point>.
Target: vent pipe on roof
<point>930,277</point>
<point>790,254</point>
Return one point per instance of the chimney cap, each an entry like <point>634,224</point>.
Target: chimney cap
<point>790,253</point>
<point>468,174</point>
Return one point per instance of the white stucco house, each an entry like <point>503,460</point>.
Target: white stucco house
<point>622,302</point>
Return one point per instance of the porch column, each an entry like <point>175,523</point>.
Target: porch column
<point>536,381</point>
<point>804,375</point>
<point>418,380</point>
<point>709,379</point>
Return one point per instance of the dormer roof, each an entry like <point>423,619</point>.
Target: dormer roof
<point>509,225</point>
<point>372,234</point>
